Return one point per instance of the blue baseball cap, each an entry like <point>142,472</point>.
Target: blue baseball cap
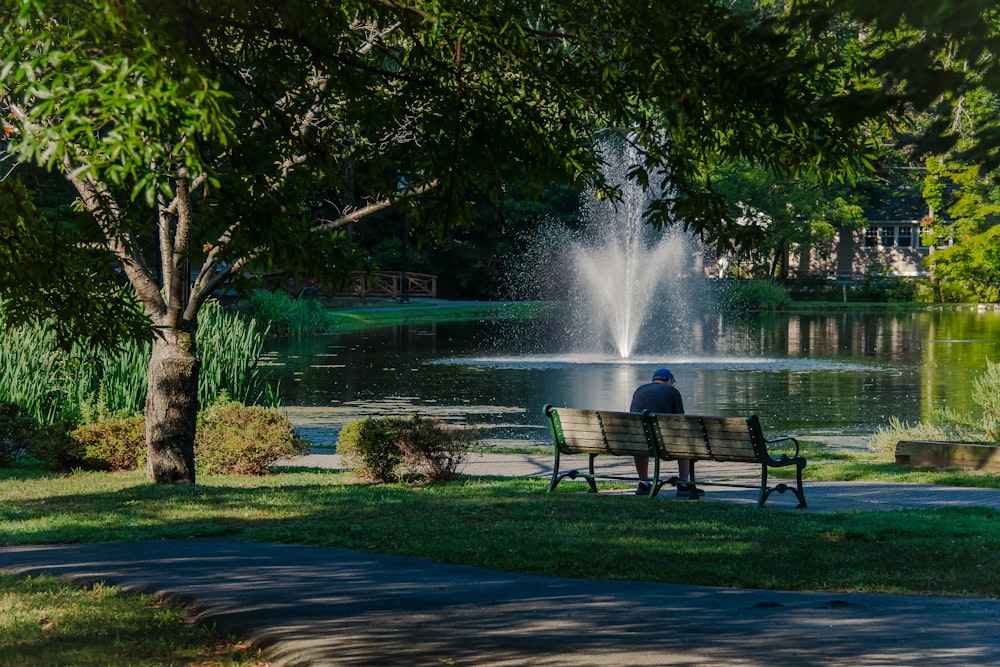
<point>663,374</point>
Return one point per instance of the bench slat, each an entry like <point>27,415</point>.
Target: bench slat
<point>682,437</point>
<point>581,430</point>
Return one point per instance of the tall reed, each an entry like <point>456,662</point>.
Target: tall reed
<point>31,372</point>
<point>306,316</point>
<point>108,383</point>
<point>230,347</point>
<point>285,315</point>
<point>270,307</point>
<point>87,383</point>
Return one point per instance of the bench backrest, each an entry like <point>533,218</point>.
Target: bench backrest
<point>709,438</point>
<point>600,432</point>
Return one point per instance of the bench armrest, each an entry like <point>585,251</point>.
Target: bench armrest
<point>784,439</point>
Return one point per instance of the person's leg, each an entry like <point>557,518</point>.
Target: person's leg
<point>642,467</point>
<point>685,488</point>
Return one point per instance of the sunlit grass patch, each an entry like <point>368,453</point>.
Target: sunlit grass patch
<point>47,621</point>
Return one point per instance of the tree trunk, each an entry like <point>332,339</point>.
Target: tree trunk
<point>171,408</point>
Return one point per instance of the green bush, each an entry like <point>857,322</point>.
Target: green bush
<point>384,450</point>
<point>18,431</point>
<point>56,447</point>
<point>433,449</point>
<point>371,446</point>
<point>238,439</point>
<point>285,315</point>
<point>987,396</point>
<point>753,295</point>
<point>114,444</point>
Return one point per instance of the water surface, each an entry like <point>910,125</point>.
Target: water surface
<point>835,378</point>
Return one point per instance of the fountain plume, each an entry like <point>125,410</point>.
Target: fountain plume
<point>628,272</point>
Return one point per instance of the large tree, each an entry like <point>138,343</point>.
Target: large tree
<point>204,136</point>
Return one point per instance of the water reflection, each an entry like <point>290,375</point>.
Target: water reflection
<point>831,377</point>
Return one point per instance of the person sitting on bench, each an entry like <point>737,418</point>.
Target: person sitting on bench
<point>661,396</point>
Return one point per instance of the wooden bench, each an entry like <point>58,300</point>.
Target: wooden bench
<point>597,433</point>
<point>668,438</point>
<point>727,440</point>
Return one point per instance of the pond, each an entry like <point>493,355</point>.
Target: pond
<point>830,378</point>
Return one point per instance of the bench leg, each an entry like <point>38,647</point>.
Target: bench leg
<point>655,487</point>
<point>799,493</point>
<point>555,472</point>
<point>590,480</point>
<point>765,492</point>
<point>572,474</point>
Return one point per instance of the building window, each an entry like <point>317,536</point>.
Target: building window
<point>904,236</point>
<point>887,236</point>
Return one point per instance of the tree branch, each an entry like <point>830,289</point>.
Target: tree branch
<point>357,214</point>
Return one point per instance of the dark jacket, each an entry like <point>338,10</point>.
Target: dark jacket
<point>657,397</point>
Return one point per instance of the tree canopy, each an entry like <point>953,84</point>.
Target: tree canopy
<point>205,138</point>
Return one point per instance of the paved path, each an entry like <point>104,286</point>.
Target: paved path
<point>325,606</point>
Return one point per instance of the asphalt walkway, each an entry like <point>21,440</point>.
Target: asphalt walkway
<point>325,606</point>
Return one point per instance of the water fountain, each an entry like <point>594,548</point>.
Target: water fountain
<point>627,272</point>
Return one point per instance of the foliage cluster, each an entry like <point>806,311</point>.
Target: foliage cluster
<point>231,438</point>
<point>392,448</point>
<point>115,444</point>
<point>284,315</point>
<point>236,439</point>
<point>752,295</point>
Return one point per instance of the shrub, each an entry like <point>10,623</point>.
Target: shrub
<point>372,448</point>
<point>55,446</point>
<point>433,449</point>
<point>383,450</point>
<point>883,443</point>
<point>18,430</point>
<point>987,396</point>
<point>753,295</point>
<point>244,440</point>
<point>114,444</point>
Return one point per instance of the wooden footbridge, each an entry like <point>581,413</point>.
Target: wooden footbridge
<point>379,285</point>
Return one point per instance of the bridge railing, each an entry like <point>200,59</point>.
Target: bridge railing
<point>389,284</point>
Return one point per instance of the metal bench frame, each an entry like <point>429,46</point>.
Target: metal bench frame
<point>597,433</point>
<point>665,437</point>
<point>727,440</point>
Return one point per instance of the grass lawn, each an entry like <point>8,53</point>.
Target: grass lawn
<point>45,621</point>
<point>392,314</point>
<point>512,524</point>
<point>503,523</point>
